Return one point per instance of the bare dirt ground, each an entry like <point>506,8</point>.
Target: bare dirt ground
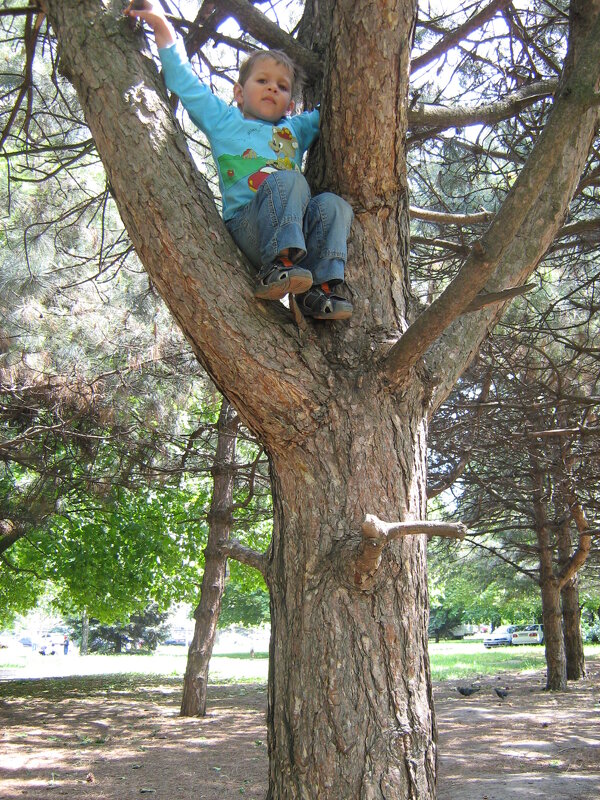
<point>119,737</point>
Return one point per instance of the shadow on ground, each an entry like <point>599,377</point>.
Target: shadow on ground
<point>119,737</point>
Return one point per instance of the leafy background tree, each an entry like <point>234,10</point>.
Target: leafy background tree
<point>141,632</point>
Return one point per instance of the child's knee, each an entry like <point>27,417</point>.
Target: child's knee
<point>289,182</point>
<point>335,208</point>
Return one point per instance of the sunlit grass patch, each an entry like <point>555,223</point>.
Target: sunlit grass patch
<point>453,660</point>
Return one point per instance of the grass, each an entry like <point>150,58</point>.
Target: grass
<point>452,660</point>
<point>449,661</point>
<point>245,656</point>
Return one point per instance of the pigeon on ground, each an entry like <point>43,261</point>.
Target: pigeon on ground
<point>467,691</point>
<point>502,693</point>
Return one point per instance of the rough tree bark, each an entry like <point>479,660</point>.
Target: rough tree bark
<point>207,612</point>
<point>574,652</point>
<point>571,612</point>
<point>342,409</point>
<point>560,598</point>
<point>570,559</point>
<point>554,643</point>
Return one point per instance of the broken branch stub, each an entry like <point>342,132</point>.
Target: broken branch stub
<point>376,534</point>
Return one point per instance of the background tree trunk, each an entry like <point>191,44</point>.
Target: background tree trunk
<point>85,633</point>
<point>215,564</point>
<point>556,675</point>
<point>569,595</point>
<point>572,630</point>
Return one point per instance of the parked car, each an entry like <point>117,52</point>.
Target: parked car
<point>528,634</point>
<point>501,636</point>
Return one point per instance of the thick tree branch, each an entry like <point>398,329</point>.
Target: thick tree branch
<point>569,120</point>
<point>9,534</point>
<point>441,117</point>
<point>179,235</point>
<point>581,430</point>
<point>442,218</point>
<point>375,528</point>
<point>376,534</point>
<point>269,33</point>
<point>245,555</point>
<point>578,228</point>
<point>451,39</point>
<point>204,26</point>
<point>584,545</point>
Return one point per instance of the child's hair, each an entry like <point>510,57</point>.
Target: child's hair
<point>279,57</point>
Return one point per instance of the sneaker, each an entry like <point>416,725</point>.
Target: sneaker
<point>278,279</point>
<point>319,304</point>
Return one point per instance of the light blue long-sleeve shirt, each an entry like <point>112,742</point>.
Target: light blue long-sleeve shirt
<point>245,150</point>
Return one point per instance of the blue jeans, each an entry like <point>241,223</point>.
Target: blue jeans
<point>283,215</point>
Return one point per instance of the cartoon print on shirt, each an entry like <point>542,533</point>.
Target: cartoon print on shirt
<point>257,168</point>
<point>284,142</point>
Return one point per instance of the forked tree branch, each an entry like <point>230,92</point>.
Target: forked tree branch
<point>564,123</point>
<point>584,545</point>
<point>376,534</point>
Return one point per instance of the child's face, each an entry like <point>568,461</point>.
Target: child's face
<point>267,92</point>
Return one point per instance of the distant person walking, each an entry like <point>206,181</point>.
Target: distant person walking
<point>65,644</point>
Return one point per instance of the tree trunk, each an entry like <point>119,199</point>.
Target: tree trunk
<point>207,613</point>
<point>556,662</point>
<point>569,593</point>
<point>572,630</point>
<point>350,710</point>
<point>85,633</point>
<point>556,675</point>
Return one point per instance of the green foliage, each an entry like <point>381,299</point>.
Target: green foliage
<point>465,588</point>
<point>144,631</point>
<point>244,606</point>
<point>112,559</point>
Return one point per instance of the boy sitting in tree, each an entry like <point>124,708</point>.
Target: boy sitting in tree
<point>297,242</point>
